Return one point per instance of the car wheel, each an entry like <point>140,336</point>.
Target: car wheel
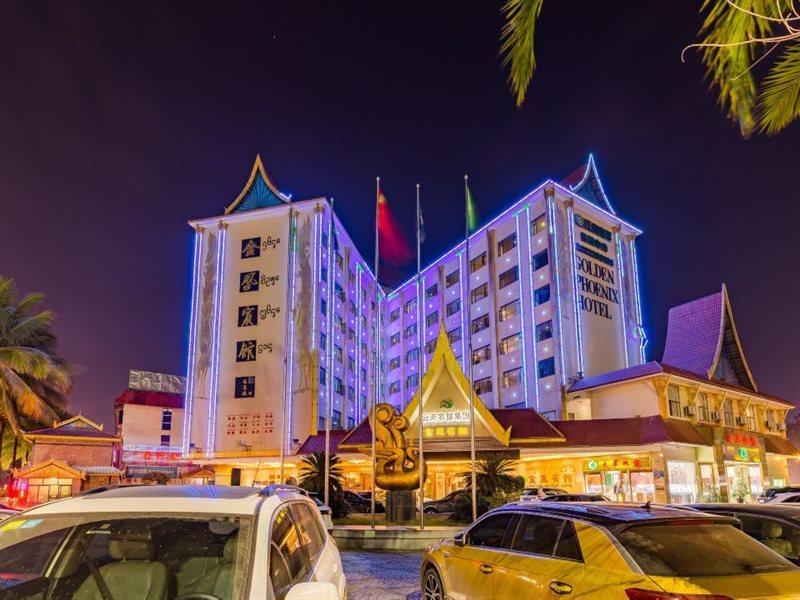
<point>429,511</point>
<point>432,587</point>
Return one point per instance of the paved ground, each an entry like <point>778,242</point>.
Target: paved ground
<point>382,575</point>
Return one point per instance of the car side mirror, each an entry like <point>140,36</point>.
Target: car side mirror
<point>313,590</point>
<point>459,538</point>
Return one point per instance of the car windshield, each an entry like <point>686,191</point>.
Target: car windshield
<point>124,555</point>
<point>698,550</point>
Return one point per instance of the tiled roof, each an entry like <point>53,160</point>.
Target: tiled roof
<point>693,332</point>
<point>775,444</point>
<point>99,470</point>
<point>69,431</point>
<point>149,398</point>
<point>634,431</point>
<point>316,443</point>
<point>525,423</point>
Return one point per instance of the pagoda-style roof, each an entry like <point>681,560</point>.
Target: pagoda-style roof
<point>75,428</point>
<point>585,181</point>
<point>260,191</point>
<point>50,468</point>
<point>702,339</point>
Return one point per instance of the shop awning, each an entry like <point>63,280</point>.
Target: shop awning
<point>316,443</point>
<point>775,444</point>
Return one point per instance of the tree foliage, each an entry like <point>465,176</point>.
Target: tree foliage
<point>312,479</point>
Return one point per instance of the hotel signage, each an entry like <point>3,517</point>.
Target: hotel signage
<point>617,463</point>
<point>454,417</point>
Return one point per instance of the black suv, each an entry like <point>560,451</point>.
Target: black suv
<point>443,505</point>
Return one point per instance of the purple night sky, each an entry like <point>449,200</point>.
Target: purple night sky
<point>120,122</point>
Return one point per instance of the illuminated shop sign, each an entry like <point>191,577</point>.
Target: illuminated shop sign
<point>617,463</point>
<point>454,417</point>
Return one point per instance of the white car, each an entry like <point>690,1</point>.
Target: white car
<point>784,497</point>
<point>171,542</point>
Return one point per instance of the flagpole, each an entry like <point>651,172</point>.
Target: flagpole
<point>329,358</point>
<point>377,350</point>
<point>420,340</point>
<point>473,478</point>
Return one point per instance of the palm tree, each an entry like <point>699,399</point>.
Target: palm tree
<point>493,476</point>
<point>312,474</point>
<point>34,381</point>
<point>736,35</point>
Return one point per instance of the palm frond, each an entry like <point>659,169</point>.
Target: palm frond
<point>28,327</point>
<point>8,411</point>
<point>517,49</point>
<point>728,54</point>
<point>779,99</point>
<point>26,402</point>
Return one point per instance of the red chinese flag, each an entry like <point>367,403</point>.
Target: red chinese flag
<point>394,249</point>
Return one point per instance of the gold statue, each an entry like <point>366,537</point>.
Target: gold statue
<point>397,467</point>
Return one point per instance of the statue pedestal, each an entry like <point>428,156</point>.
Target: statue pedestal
<point>400,506</point>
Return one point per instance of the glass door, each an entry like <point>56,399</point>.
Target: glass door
<point>682,482</point>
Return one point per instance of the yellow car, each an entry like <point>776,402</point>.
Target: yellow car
<point>548,550</point>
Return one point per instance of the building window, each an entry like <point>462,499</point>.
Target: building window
<point>702,406</point>
<point>506,244</point>
<point>431,345</point>
<point>323,306</point>
<point>339,261</point>
<point>769,421</point>
<point>479,293</point>
<point>544,331</point>
<point>508,310</point>
<point>541,295</point>
<point>510,343</point>
<point>336,419</point>
<point>351,422</point>
<point>483,386</point>
<point>410,306</point>
<point>432,319</point>
<point>512,377</point>
<point>351,363</point>
<point>324,273</point>
<point>453,307</point>
<point>509,277</point>
<point>337,353</point>
<point>750,418</point>
<point>454,335</point>
<point>412,381</point>
<point>322,378</point>
<point>120,415</point>
<point>337,289</point>
<point>394,339</point>
<point>432,291</point>
<point>480,323</point>
<point>394,315</point>
<point>363,401</point>
<point>412,355</point>
<point>538,224</point>
<point>338,386</point>
<point>481,354</point>
<point>540,260</point>
<point>324,240</point>
<point>477,262</point>
<point>411,331</point>
<point>452,279</point>
<point>674,399</point>
<point>323,340</point>
<point>166,420</point>
<point>394,363</point>
<point>165,439</point>
<point>351,334</point>
<point>351,393</point>
<point>352,306</point>
<point>546,367</point>
<point>727,412</point>
<point>394,387</point>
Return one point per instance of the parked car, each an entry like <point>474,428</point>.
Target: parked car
<point>793,497</point>
<point>324,509</point>
<point>360,504</point>
<point>774,525</point>
<point>7,512</point>
<point>442,505</point>
<point>609,551</point>
<point>770,493</point>
<point>537,493</point>
<point>160,542</point>
<point>576,498</point>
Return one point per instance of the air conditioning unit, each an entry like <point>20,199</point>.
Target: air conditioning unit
<point>740,421</point>
<point>688,411</point>
<point>780,427</point>
<point>715,416</point>
<point>768,425</point>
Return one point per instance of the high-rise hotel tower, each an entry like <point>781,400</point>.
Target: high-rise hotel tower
<point>284,315</point>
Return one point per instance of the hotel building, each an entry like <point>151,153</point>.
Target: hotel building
<point>542,305</point>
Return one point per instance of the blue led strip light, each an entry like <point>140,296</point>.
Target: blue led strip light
<point>553,231</point>
<point>621,270</point>
<point>189,401</point>
<point>331,297</point>
<point>522,312</point>
<point>533,309</point>
<point>215,352</point>
<point>463,309</point>
<point>574,268</point>
<point>317,254</point>
<point>289,351</point>
<point>638,300</point>
<point>420,330</point>
<point>359,308</point>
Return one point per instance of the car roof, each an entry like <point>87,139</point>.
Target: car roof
<point>605,513</point>
<point>207,499</point>
<point>778,509</point>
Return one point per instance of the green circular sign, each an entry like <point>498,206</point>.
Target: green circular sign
<point>743,453</point>
<point>592,465</point>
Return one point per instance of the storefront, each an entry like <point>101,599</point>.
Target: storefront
<point>620,477</point>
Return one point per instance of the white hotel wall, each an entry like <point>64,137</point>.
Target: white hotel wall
<point>142,425</point>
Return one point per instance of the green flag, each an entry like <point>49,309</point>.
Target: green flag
<point>471,212</point>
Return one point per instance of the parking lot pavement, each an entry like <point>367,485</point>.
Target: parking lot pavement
<point>382,575</point>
